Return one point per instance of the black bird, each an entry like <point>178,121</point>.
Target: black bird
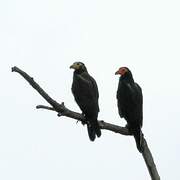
<point>130,104</point>
<point>85,91</point>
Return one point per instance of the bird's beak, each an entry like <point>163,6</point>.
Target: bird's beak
<point>73,66</point>
<point>117,72</point>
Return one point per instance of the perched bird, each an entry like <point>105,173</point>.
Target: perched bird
<point>130,104</point>
<point>85,91</point>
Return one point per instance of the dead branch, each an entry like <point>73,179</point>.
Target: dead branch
<point>64,111</point>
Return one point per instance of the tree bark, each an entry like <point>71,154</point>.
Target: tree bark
<point>62,110</point>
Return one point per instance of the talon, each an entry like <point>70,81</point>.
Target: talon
<point>83,123</point>
<point>127,126</point>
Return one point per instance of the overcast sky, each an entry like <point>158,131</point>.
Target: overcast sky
<point>44,37</point>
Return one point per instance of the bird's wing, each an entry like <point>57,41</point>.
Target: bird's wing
<point>135,93</point>
<point>91,87</point>
<point>91,83</point>
<point>120,100</point>
<point>136,98</point>
<point>140,102</point>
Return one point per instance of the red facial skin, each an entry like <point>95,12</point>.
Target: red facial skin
<point>121,71</point>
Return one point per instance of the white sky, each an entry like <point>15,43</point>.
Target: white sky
<point>44,38</point>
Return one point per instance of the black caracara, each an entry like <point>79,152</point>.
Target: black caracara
<point>130,104</point>
<point>85,91</point>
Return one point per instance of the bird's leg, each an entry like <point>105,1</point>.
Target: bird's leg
<point>83,123</point>
<point>128,127</point>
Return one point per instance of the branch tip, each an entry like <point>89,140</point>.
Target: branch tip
<point>13,69</point>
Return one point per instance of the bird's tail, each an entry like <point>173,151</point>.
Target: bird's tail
<point>138,136</point>
<point>93,129</point>
<point>91,132</point>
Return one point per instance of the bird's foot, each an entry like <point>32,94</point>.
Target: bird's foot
<point>127,126</point>
<point>83,122</point>
<point>129,129</point>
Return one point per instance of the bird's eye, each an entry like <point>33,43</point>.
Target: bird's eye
<point>78,64</point>
<point>124,70</point>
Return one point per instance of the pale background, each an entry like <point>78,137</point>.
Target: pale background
<point>44,38</point>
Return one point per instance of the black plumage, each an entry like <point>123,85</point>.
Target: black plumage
<point>130,104</point>
<point>85,91</point>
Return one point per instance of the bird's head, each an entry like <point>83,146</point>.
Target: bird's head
<point>125,74</point>
<point>78,67</point>
<point>122,71</point>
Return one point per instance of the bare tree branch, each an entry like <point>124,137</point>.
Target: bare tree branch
<point>80,117</point>
<point>64,111</point>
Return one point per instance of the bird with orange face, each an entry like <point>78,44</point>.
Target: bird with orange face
<point>130,104</point>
